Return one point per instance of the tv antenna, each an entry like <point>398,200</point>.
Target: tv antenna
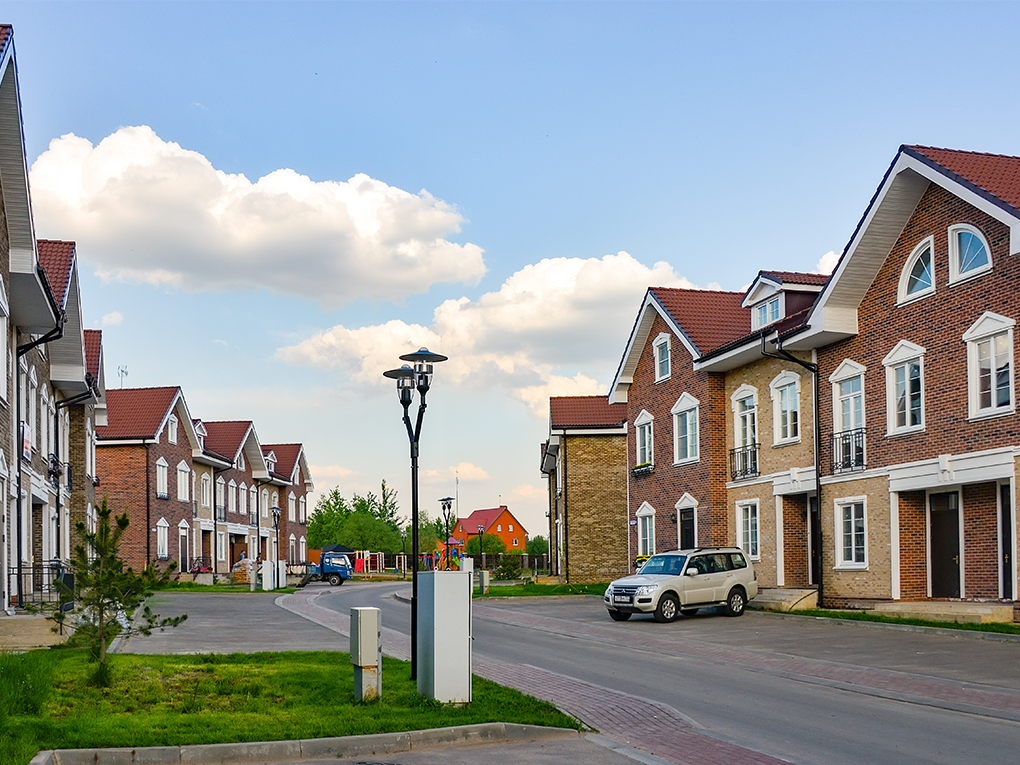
<point>122,371</point>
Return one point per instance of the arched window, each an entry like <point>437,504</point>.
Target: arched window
<point>968,252</point>
<point>918,277</point>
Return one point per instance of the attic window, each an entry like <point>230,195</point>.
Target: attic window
<point>240,461</point>
<point>171,429</point>
<point>768,312</point>
<point>662,360</point>
<point>968,252</point>
<point>918,279</point>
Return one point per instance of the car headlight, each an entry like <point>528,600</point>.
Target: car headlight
<point>647,589</point>
<point>609,591</point>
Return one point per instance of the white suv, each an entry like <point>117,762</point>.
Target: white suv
<point>678,583</point>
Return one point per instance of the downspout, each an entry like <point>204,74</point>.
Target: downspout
<point>54,334</point>
<point>56,446</point>
<point>813,369</point>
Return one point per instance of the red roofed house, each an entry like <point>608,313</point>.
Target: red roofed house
<point>144,458</point>
<point>585,461</point>
<point>289,468</point>
<point>496,521</point>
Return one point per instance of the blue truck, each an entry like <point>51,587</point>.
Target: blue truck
<point>334,568</point>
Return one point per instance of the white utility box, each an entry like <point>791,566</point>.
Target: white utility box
<point>483,581</point>
<point>444,636</point>
<point>366,652</point>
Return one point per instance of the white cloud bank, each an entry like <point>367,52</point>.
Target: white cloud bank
<point>827,263</point>
<point>464,471</point>
<point>559,312</point>
<point>145,209</point>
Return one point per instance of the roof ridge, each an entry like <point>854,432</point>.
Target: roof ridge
<point>961,151</point>
<point>699,290</point>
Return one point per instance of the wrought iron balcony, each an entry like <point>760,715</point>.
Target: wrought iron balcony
<point>744,462</point>
<point>848,450</point>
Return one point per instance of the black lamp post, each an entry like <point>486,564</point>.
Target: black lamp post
<point>408,379</point>
<point>447,504</point>
<point>481,538</point>
<point>403,539</point>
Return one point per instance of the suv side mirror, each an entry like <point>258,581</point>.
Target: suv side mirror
<point>691,572</point>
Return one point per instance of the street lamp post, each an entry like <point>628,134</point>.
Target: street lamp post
<point>408,379</point>
<point>277,512</point>
<point>403,555</point>
<point>481,538</point>
<point>447,504</point>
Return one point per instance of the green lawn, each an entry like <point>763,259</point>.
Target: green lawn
<point>529,589</point>
<point>178,700</point>
<point>865,616</point>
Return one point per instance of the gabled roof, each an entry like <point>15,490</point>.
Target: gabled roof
<point>796,277</point>
<point>57,260</point>
<point>289,457</point>
<point>585,412</point>
<point>768,283</point>
<point>701,319</point>
<point>93,351</point>
<point>226,437</point>
<point>486,518</point>
<point>136,413</point>
<point>989,182</point>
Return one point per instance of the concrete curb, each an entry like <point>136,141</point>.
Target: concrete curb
<point>404,596</point>
<point>1000,637</point>
<point>263,752</point>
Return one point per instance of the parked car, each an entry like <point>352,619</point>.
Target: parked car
<point>679,583</point>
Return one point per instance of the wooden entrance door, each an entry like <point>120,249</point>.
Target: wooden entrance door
<point>945,544</point>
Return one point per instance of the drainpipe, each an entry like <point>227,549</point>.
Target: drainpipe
<point>54,334</point>
<point>56,444</point>
<point>813,369</point>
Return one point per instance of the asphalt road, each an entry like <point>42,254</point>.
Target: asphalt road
<point>803,690</point>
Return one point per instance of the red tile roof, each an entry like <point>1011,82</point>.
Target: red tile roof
<point>485,518</point>
<point>57,259</point>
<point>286,457</point>
<point>796,277</point>
<point>709,318</point>
<point>6,35</point>
<point>226,436</point>
<point>585,412</point>
<point>93,349</point>
<point>997,174</point>
<point>136,412</point>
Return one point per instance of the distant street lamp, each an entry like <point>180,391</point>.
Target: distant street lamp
<point>403,538</point>
<point>447,504</point>
<point>277,512</point>
<point>408,379</point>
<point>481,538</point>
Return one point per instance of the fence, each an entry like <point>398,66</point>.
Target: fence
<point>38,582</point>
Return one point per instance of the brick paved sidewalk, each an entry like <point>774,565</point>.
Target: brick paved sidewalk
<point>651,727</point>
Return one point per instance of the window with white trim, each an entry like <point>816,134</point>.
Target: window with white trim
<point>242,498</point>
<point>685,429</point>
<point>292,508</point>
<point>768,312</point>
<point>918,276</point>
<point>302,511</point>
<point>265,503</point>
<point>990,373</point>
<point>785,389</point>
<point>646,529</point>
<point>162,479</point>
<point>240,461</point>
<point>644,452</point>
<point>206,490</point>
<point>171,429</point>
<point>183,481</point>
<point>221,548</point>
<point>747,528</point>
<point>292,550</point>
<point>304,550</point>
<point>662,358</point>
<point>904,375</point>
<point>510,527</point>
<point>221,489</point>
<point>969,254</point>
<point>253,499</point>
<point>851,533</point>
<point>162,539</point>
<point>276,500</point>
<point>232,496</point>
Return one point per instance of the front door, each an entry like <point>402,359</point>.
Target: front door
<point>687,529</point>
<point>1006,540</point>
<point>814,542</point>
<point>945,544</point>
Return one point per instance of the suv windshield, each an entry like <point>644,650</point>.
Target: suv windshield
<point>664,564</point>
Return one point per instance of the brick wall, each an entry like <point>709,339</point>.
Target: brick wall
<point>83,492</point>
<point>795,540</point>
<point>875,581</point>
<point>981,540</point>
<point>596,508</point>
<point>913,545</point>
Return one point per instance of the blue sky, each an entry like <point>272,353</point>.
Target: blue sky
<point>505,155</point>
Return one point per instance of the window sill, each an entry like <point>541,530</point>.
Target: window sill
<point>991,414</point>
<point>787,442</point>
<point>688,461</point>
<point>904,432</point>
<point>963,278</point>
<point>915,298</point>
<point>851,567</point>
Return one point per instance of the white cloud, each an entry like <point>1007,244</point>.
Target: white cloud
<point>148,210</point>
<point>827,263</point>
<point>465,471</point>
<point>112,319</point>
<point>324,472</point>
<point>560,312</point>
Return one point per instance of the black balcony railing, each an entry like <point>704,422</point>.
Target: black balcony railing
<point>744,462</point>
<point>39,582</point>
<point>848,450</point>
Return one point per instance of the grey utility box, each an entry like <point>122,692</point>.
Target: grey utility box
<point>366,653</point>
<point>444,636</point>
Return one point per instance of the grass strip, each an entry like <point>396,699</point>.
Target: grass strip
<point>1003,628</point>
<point>224,698</point>
<point>530,590</point>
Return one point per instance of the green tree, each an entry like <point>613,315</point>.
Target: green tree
<point>492,545</point>
<point>106,595</point>
<point>327,520</point>
<point>364,531</point>
<point>537,546</point>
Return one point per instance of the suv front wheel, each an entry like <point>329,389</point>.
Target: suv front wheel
<point>735,602</point>
<point>668,608</point>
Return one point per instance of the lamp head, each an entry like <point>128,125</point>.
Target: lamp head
<point>481,529</point>
<point>405,378</point>
<point>423,360</point>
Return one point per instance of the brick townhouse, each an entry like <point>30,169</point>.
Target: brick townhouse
<point>289,469</point>
<point>676,415</point>
<point>585,462</point>
<point>144,457</point>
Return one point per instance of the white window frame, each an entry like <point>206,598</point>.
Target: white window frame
<point>687,409</point>
<point>162,539</point>
<point>265,503</point>
<point>662,357</point>
<point>221,492</point>
<point>183,481</point>
<point>646,529</point>
<point>232,496</point>
<point>242,498</point>
<point>839,538</point>
<point>847,370</point>
<point>749,540</point>
<point>162,478</point>
<point>902,298</point>
<point>903,354</point>
<point>644,439</point>
<point>777,300</point>
<point>253,500</point>
<point>955,276</point>
<point>221,546</point>
<point>291,508</point>
<point>303,550</point>
<point>744,392</point>
<point>240,461</point>
<point>171,429</point>
<point>303,511</point>
<point>986,329</point>
<point>206,490</point>
<point>784,381</point>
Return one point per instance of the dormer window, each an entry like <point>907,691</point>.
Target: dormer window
<point>171,429</point>
<point>768,312</point>
<point>662,360</point>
